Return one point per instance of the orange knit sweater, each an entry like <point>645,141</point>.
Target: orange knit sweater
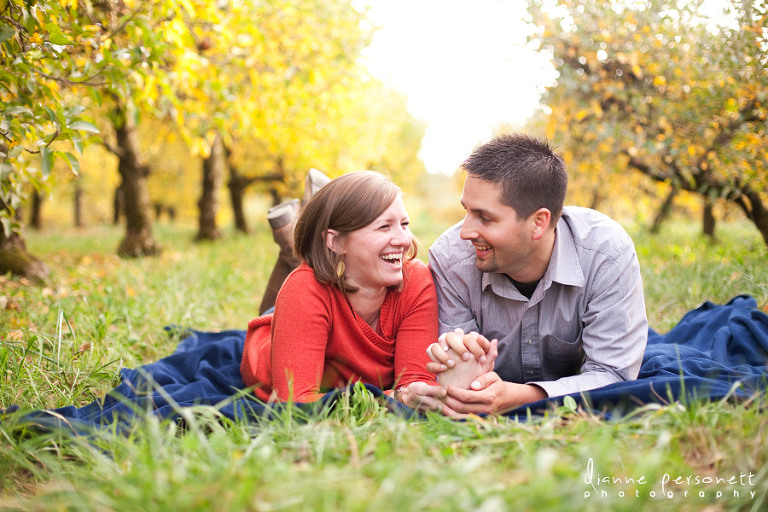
<point>314,341</point>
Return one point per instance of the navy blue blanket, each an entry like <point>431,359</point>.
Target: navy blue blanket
<point>715,352</point>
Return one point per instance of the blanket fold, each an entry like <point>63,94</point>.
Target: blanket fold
<point>714,352</point>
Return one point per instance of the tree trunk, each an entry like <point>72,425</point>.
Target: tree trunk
<point>118,204</point>
<point>236,185</point>
<point>708,218</point>
<point>275,195</point>
<point>138,240</point>
<point>15,258</point>
<point>77,200</point>
<point>36,211</point>
<point>596,198</point>
<point>749,200</point>
<point>208,204</point>
<point>664,210</point>
<point>756,211</point>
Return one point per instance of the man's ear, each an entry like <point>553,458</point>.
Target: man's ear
<point>334,241</point>
<point>541,220</point>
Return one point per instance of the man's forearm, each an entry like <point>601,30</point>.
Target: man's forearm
<point>521,394</point>
<point>577,383</point>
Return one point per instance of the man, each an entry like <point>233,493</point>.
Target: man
<point>559,288</point>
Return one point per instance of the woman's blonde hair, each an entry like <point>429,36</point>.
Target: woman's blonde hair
<point>347,203</point>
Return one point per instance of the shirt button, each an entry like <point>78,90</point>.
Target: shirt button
<point>529,342</point>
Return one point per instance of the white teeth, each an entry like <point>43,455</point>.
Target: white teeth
<point>392,258</point>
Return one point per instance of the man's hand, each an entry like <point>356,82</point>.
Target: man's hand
<point>489,394</point>
<point>463,345</point>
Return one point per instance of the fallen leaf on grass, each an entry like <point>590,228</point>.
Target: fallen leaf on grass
<point>8,304</point>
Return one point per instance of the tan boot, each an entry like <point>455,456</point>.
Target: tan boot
<point>314,181</point>
<point>281,218</point>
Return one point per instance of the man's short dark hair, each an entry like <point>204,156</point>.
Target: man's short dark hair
<point>530,173</point>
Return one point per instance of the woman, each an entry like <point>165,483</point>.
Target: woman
<point>359,308</point>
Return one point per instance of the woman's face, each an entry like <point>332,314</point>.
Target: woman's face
<point>374,254</point>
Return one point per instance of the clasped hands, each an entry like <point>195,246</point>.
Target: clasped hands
<point>464,365</point>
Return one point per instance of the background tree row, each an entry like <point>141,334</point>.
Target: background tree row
<point>656,87</point>
<point>261,91</point>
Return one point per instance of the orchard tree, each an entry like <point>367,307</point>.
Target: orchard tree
<point>654,86</point>
<point>56,55</point>
<point>158,36</point>
<point>36,126</point>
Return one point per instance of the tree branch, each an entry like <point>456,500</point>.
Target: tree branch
<point>67,81</point>
<point>115,150</point>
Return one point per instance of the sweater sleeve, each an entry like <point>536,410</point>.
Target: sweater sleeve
<point>300,328</point>
<point>417,329</point>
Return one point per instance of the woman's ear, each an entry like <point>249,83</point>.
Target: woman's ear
<point>334,241</point>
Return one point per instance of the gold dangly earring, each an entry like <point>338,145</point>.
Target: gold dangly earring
<point>340,268</point>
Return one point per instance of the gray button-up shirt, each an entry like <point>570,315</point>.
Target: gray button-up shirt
<point>585,325</point>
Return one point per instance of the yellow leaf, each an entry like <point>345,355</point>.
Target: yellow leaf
<point>150,91</point>
<point>597,109</point>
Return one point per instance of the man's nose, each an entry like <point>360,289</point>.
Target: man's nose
<point>468,231</point>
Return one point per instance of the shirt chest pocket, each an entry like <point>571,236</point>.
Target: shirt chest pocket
<point>562,358</point>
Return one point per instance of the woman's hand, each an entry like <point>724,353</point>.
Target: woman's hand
<point>458,346</point>
<point>422,396</point>
<point>464,372</point>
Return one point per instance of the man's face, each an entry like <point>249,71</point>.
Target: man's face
<point>503,243</point>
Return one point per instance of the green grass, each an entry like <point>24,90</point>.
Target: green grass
<point>64,342</point>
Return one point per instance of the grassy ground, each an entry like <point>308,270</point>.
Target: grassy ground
<point>64,342</point>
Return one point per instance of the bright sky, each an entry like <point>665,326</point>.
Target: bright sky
<point>464,66</point>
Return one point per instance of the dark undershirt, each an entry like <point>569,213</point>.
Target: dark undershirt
<point>526,289</point>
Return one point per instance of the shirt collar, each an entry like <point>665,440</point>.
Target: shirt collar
<point>563,267</point>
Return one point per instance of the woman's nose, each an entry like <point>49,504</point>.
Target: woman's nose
<point>402,237</point>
